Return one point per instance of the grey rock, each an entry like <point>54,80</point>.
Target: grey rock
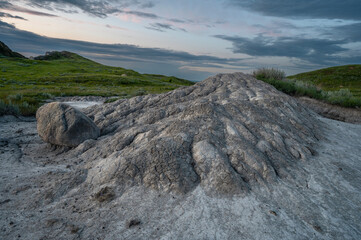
<point>225,134</point>
<point>61,124</point>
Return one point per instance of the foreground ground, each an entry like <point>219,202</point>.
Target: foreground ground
<point>39,201</point>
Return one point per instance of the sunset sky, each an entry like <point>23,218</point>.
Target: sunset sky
<point>189,39</point>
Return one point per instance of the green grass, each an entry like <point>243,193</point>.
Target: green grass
<point>26,83</point>
<point>334,78</point>
<point>337,85</point>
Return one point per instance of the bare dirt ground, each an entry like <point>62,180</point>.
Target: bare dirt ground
<point>351,115</point>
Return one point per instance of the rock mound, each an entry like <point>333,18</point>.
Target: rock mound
<point>63,125</point>
<point>226,133</point>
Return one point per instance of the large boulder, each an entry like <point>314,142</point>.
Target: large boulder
<point>63,125</point>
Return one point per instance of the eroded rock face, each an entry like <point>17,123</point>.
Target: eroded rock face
<point>225,133</point>
<point>61,124</point>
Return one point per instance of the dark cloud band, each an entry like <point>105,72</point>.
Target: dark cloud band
<point>98,8</point>
<point>317,9</point>
<point>8,6</point>
<point>317,51</point>
<point>7,15</point>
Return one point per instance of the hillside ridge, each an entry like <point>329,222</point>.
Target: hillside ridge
<point>7,52</point>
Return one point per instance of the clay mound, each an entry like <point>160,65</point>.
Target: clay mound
<point>225,133</point>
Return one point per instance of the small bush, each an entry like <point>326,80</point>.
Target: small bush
<point>110,100</point>
<point>140,92</point>
<point>269,73</point>
<point>46,95</point>
<point>27,109</point>
<point>306,89</point>
<point>8,108</point>
<point>340,97</point>
<point>16,97</point>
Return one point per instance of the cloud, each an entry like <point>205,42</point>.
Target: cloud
<point>151,60</point>
<point>313,50</point>
<point>326,9</point>
<point>140,14</point>
<point>8,6</point>
<point>6,26</point>
<point>176,20</point>
<point>98,8</point>
<point>351,32</point>
<point>162,27</point>
<point>116,27</point>
<point>7,15</point>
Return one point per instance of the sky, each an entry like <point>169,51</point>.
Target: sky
<point>187,38</point>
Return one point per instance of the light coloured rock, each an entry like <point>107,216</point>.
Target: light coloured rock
<point>226,134</point>
<point>61,124</point>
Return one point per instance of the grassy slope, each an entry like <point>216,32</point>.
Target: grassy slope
<point>33,81</point>
<point>337,85</point>
<point>334,78</point>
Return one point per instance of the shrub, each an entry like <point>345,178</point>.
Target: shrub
<point>16,97</point>
<point>140,92</point>
<point>341,96</point>
<point>269,73</point>
<point>110,100</point>
<point>27,109</point>
<point>8,108</point>
<point>307,89</point>
<point>46,95</point>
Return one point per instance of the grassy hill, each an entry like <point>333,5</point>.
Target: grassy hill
<point>26,83</point>
<point>336,85</point>
<point>334,78</point>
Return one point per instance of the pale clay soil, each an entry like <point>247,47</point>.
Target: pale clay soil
<point>42,196</point>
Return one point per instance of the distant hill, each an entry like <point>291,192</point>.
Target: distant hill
<point>26,83</point>
<point>7,52</point>
<point>55,55</point>
<point>334,78</point>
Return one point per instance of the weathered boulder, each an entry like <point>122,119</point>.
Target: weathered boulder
<point>63,125</point>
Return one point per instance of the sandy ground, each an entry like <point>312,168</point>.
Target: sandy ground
<point>42,196</point>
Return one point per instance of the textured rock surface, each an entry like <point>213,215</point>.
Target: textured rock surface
<point>61,124</point>
<point>51,192</point>
<point>225,133</point>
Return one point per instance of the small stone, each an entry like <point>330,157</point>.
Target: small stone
<point>273,213</point>
<point>105,194</point>
<point>133,223</point>
<point>317,228</point>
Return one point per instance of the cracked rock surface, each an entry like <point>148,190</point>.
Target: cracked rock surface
<point>226,133</point>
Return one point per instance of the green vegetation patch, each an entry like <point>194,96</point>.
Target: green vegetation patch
<point>25,84</point>
<point>334,78</point>
<point>328,91</point>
